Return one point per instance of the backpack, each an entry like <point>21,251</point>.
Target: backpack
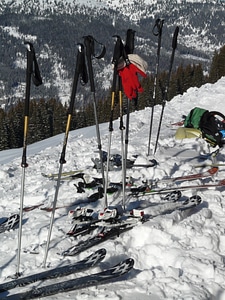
<point>210,123</point>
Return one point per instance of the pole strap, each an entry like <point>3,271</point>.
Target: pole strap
<point>35,71</point>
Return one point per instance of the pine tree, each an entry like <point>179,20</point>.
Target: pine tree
<point>217,69</point>
<point>4,131</point>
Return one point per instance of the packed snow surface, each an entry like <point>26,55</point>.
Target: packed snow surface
<point>177,256</point>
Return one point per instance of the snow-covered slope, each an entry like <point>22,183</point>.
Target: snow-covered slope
<point>177,256</point>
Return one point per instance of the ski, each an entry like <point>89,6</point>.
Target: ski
<point>64,174</point>
<point>32,207</point>
<point>104,234</point>
<point>114,229</point>
<point>9,223</point>
<point>170,207</point>
<point>90,199</point>
<point>150,191</point>
<point>179,123</point>
<point>212,171</point>
<point>116,186</point>
<point>116,163</point>
<point>96,279</point>
<point>114,166</point>
<point>210,165</point>
<point>77,230</point>
<point>85,220</point>
<point>90,261</point>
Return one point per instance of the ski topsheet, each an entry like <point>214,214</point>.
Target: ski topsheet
<point>96,279</point>
<point>86,263</point>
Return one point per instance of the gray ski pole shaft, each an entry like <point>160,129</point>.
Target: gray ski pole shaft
<point>110,134</point>
<point>129,48</point>
<point>89,44</point>
<point>116,56</point>
<point>122,144</point>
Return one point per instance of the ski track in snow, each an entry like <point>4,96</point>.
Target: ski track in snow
<point>177,256</point>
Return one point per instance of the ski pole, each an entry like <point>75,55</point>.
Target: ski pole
<point>80,71</point>
<point>165,97</point>
<point>158,26</point>
<point>129,48</point>
<point>116,56</point>
<point>89,44</point>
<point>37,81</point>
<point>122,142</point>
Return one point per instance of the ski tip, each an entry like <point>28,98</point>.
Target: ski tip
<point>222,182</point>
<point>100,253</point>
<point>96,257</point>
<point>195,200</point>
<point>213,170</point>
<point>130,261</point>
<point>173,196</point>
<point>127,265</point>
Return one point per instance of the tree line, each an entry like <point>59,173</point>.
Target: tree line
<point>49,117</point>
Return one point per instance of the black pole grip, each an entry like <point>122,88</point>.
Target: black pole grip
<point>157,29</point>
<point>117,53</point>
<point>30,58</point>
<point>89,44</point>
<point>174,42</point>
<point>78,71</point>
<point>129,46</point>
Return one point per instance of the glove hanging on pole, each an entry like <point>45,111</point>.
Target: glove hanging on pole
<point>129,75</point>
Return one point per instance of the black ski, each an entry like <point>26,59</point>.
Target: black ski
<point>172,206</point>
<point>99,278</point>
<point>9,223</point>
<point>112,230</point>
<point>77,229</point>
<point>84,264</point>
<point>104,234</point>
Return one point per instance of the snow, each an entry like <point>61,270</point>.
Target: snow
<point>177,256</point>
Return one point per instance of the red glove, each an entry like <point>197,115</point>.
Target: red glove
<point>129,76</point>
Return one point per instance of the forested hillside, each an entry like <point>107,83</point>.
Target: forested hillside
<point>55,28</point>
<point>49,117</point>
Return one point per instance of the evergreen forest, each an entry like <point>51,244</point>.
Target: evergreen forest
<point>49,117</point>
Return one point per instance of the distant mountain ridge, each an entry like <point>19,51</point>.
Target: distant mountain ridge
<point>55,27</point>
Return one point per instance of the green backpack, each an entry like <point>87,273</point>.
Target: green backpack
<point>209,123</point>
<point>193,119</point>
